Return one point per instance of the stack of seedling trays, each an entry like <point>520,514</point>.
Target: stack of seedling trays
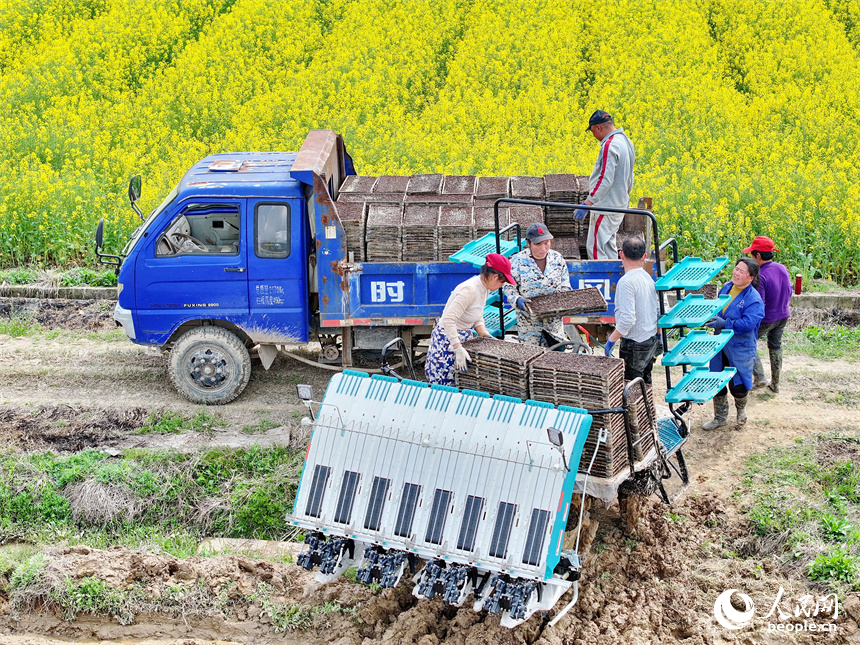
<point>485,221</point>
<point>498,367</point>
<point>388,189</point>
<point>492,188</point>
<point>358,184</point>
<point>392,186</point>
<point>383,233</point>
<point>528,188</point>
<point>419,232</point>
<point>351,216</point>
<point>567,303</point>
<point>525,215</point>
<point>592,383</point>
<point>459,185</point>
<point>568,189</point>
<point>568,247</point>
<point>639,410</point>
<point>425,184</point>
<point>456,228</point>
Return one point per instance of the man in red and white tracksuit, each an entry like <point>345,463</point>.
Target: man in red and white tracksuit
<point>609,185</point>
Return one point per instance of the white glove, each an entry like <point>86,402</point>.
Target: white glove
<point>461,358</point>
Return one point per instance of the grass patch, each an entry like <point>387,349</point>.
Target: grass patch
<point>74,277</point>
<point>804,504</point>
<point>174,423</point>
<point>20,323</point>
<point>824,342</point>
<point>262,426</point>
<point>157,500</point>
<point>18,276</point>
<point>83,276</point>
<point>101,335</point>
<point>288,617</point>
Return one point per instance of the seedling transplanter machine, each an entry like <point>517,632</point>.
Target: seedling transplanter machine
<point>480,486</point>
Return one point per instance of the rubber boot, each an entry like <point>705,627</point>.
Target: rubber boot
<point>759,379</point>
<point>741,406</point>
<point>721,413</point>
<point>775,369</point>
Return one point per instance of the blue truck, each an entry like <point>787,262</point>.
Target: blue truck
<point>247,253</point>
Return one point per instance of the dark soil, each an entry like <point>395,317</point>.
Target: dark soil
<point>582,363</point>
<point>502,350</point>
<point>67,428</point>
<point>566,303</point>
<point>835,451</point>
<point>90,315</point>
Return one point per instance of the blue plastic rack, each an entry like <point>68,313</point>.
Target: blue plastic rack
<point>693,311</point>
<point>697,348</point>
<point>700,385</point>
<point>476,251</point>
<point>691,274</point>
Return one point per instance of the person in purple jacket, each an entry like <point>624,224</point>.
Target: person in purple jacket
<point>775,291</point>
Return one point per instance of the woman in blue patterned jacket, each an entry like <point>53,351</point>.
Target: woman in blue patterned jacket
<point>538,270</point>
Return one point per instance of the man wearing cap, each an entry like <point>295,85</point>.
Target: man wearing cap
<point>538,270</point>
<point>775,291</point>
<point>609,185</point>
<point>463,315</point>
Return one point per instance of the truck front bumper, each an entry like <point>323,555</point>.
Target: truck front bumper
<point>123,317</point>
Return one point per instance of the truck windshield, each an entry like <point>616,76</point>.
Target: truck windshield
<point>138,232</point>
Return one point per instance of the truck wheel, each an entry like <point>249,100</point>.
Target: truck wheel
<point>210,365</point>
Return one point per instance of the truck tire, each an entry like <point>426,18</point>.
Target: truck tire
<point>209,365</point>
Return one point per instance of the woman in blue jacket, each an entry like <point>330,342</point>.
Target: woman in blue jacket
<point>743,316</point>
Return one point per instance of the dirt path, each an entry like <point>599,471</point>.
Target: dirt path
<point>654,583</point>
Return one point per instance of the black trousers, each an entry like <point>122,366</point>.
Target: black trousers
<point>639,357</point>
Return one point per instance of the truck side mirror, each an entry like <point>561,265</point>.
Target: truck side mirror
<point>134,186</point>
<point>100,229</point>
<point>134,194</point>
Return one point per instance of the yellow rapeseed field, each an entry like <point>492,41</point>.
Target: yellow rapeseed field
<point>745,114</point>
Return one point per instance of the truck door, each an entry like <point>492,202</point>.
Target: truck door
<point>195,266</point>
<point>278,271</point>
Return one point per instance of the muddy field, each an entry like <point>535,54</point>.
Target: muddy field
<point>654,582</point>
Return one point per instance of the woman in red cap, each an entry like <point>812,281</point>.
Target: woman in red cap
<point>463,313</point>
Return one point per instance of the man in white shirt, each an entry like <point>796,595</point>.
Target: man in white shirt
<point>636,314</point>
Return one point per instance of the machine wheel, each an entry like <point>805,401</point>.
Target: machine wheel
<point>210,365</point>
